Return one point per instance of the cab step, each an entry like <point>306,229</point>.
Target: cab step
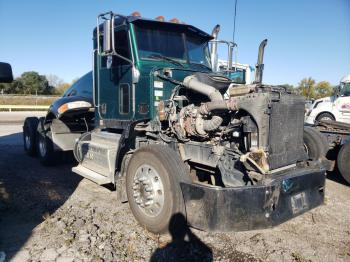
<point>91,175</point>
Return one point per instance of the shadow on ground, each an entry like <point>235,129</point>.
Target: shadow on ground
<point>184,246</point>
<point>337,177</point>
<point>29,192</point>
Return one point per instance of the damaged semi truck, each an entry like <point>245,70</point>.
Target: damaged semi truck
<point>164,133</point>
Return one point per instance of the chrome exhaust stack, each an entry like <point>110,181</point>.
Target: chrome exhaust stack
<point>259,67</point>
<point>214,48</point>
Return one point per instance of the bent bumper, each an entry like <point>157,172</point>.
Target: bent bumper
<point>254,207</point>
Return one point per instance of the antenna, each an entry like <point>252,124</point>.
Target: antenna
<point>234,31</point>
<point>234,22</point>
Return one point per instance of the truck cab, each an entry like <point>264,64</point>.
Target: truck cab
<point>336,107</point>
<point>126,88</point>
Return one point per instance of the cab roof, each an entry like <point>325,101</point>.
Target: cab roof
<point>123,20</point>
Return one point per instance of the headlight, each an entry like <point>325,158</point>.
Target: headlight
<point>73,105</point>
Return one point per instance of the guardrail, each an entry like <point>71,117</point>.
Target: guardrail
<point>23,107</point>
<point>30,95</point>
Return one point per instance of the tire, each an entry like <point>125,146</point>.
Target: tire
<point>325,116</point>
<point>29,135</point>
<point>44,145</point>
<point>161,168</point>
<point>315,143</point>
<point>343,161</point>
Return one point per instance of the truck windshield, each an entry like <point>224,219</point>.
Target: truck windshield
<point>155,42</point>
<point>345,89</point>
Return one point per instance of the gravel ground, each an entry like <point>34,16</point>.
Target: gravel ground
<point>51,214</point>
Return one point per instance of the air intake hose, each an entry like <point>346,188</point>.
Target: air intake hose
<point>192,82</point>
<point>217,102</point>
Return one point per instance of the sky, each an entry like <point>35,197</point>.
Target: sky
<point>305,38</point>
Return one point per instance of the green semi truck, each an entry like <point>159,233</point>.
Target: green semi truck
<point>173,136</point>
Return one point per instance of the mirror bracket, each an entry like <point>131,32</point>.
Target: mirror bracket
<point>108,48</point>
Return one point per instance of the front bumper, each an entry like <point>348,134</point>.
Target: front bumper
<point>254,207</point>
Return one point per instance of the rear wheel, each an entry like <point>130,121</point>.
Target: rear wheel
<point>325,116</point>
<point>44,145</point>
<point>343,161</point>
<point>315,143</point>
<point>29,135</point>
<point>153,188</point>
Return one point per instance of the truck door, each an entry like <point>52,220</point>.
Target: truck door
<point>115,81</point>
<point>343,104</point>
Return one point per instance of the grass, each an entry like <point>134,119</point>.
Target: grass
<point>27,100</point>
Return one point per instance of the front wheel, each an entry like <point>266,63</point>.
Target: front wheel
<point>153,188</point>
<point>343,161</point>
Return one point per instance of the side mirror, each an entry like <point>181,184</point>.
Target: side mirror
<point>5,73</point>
<point>107,36</point>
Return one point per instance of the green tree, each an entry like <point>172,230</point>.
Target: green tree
<point>61,88</point>
<point>54,80</point>
<point>306,87</point>
<point>31,83</point>
<point>6,88</point>
<point>323,89</point>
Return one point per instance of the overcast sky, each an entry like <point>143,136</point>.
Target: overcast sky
<point>306,38</point>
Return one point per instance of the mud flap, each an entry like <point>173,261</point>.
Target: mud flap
<point>254,207</point>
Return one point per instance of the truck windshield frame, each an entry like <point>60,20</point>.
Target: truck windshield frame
<point>184,46</point>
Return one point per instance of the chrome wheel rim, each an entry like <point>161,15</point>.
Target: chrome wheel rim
<point>148,190</point>
<point>42,147</point>
<point>27,141</point>
<point>327,118</point>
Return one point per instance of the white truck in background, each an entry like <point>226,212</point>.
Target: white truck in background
<point>241,73</point>
<point>336,107</point>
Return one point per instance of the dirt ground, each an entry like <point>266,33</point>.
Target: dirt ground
<point>51,214</point>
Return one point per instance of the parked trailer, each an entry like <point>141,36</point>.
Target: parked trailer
<point>160,130</point>
<point>337,135</point>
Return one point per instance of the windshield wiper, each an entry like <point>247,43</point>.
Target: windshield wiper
<point>165,58</point>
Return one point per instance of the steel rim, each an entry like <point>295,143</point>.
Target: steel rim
<point>27,141</point>
<point>148,190</point>
<point>42,147</point>
<point>327,118</point>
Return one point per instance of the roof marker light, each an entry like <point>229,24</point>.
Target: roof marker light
<point>160,18</point>
<point>174,20</point>
<point>136,13</point>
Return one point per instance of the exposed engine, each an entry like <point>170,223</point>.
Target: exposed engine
<point>253,132</point>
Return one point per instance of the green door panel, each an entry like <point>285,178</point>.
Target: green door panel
<point>115,99</point>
